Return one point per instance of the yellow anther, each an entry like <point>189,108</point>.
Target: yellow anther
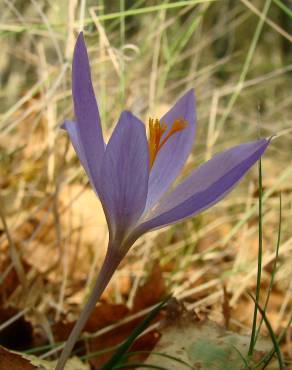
<point>156,131</point>
<point>178,125</point>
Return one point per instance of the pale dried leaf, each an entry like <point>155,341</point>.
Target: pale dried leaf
<point>203,345</point>
<point>72,364</point>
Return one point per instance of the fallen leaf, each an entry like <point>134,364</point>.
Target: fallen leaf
<point>203,345</point>
<point>103,315</point>
<point>151,291</point>
<point>10,360</point>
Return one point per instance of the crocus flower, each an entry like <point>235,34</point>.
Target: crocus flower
<point>133,176</point>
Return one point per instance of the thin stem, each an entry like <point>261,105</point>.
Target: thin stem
<point>122,63</point>
<point>259,272</point>
<point>111,262</point>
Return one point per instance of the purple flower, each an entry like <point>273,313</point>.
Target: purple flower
<point>133,176</point>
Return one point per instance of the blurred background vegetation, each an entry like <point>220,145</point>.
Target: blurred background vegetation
<point>144,54</point>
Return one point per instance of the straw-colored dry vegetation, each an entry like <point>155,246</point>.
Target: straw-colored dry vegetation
<point>144,55</point>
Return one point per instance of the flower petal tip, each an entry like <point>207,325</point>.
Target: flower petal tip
<point>129,118</point>
<point>190,95</point>
<point>80,51</point>
<point>80,39</point>
<point>127,114</point>
<point>265,142</point>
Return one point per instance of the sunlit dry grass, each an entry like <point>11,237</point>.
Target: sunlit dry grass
<point>236,55</point>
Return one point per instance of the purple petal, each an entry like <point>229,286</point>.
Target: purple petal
<point>71,128</point>
<point>206,185</point>
<point>124,175</point>
<point>86,110</point>
<point>173,154</point>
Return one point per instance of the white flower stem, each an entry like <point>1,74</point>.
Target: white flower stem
<point>111,262</point>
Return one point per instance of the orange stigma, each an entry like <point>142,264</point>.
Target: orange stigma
<point>156,131</point>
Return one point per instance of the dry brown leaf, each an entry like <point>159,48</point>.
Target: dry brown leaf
<point>18,361</point>
<point>12,361</point>
<point>104,314</point>
<point>151,292</point>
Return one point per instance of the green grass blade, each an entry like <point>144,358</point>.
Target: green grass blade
<point>5,29</point>
<point>274,266</point>
<point>283,7</point>
<point>116,358</point>
<point>244,360</point>
<point>272,334</point>
<point>272,190</point>
<point>177,46</point>
<point>42,348</point>
<point>266,360</point>
<point>95,354</point>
